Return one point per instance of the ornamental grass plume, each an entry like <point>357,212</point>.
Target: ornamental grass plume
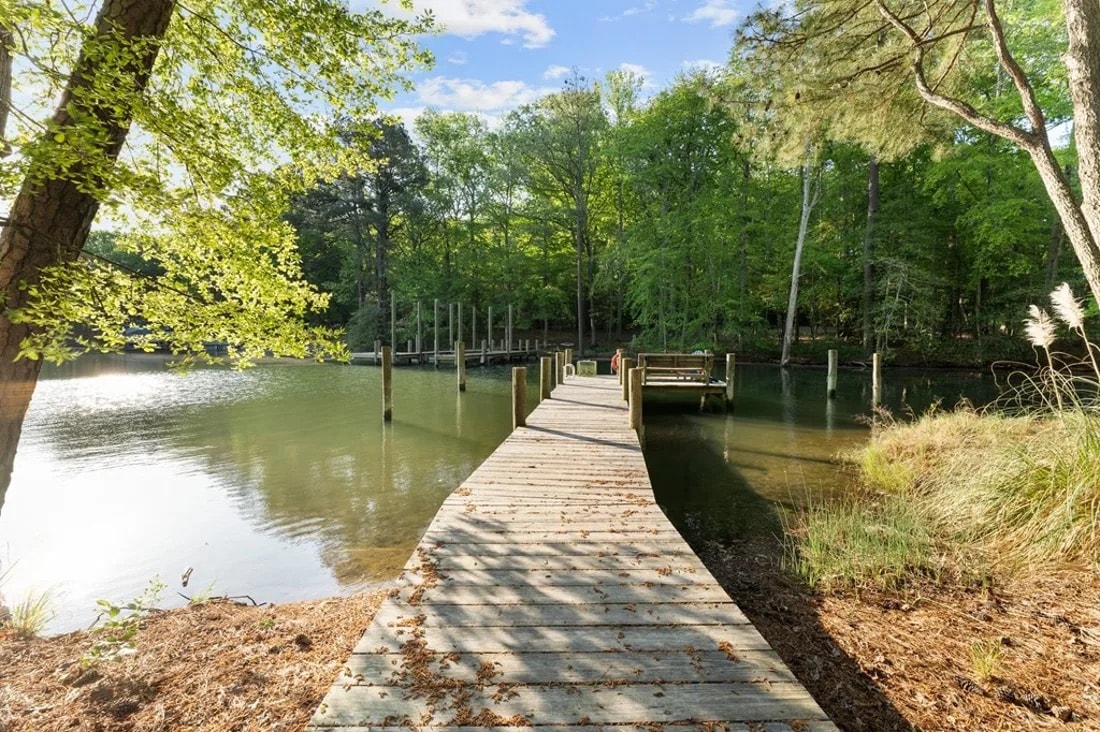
<point>1040,329</point>
<point>1069,311</point>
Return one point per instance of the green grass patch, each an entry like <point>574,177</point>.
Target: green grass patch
<point>850,544</point>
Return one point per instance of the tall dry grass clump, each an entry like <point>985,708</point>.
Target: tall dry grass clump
<point>1011,488</point>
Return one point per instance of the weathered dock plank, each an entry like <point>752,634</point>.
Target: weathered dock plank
<point>550,592</point>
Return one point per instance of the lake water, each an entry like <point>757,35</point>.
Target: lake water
<point>281,482</point>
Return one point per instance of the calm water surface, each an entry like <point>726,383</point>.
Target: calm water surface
<point>282,483</point>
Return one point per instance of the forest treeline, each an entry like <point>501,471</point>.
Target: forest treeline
<point>668,219</point>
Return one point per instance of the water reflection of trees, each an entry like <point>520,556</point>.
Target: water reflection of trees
<point>305,455</point>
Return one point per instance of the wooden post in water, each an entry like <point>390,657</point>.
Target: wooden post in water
<point>484,353</point>
<point>460,364</point>
<point>489,327</point>
<point>519,396</point>
<point>731,360</point>
<point>459,333</point>
<point>544,377</point>
<point>876,380</point>
<point>625,365</point>
<point>393,320</point>
<point>387,383</point>
<point>435,324</point>
<point>450,322</point>
<point>508,332</point>
<point>419,335</point>
<point>636,398</point>
<point>830,379</point>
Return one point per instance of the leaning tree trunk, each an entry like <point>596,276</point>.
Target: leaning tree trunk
<point>810,194</point>
<point>51,216</point>
<point>1083,62</point>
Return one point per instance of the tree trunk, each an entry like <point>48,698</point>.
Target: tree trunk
<point>810,194</point>
<point>1082,59</point>
<point>6,39</point>
<point>51,216</point>
<point>868,252</point>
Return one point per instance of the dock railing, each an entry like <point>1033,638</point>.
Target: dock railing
<point>676,367</point>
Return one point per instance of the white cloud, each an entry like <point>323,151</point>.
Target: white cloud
<point>557,71</point>
<point>639,9</point>
<point>474,95</point>
<point>472,18</point>
<point>641,72</point>
<point>458,58</point>
<point>717,12</point>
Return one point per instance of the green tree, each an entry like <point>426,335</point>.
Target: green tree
<point>223,98</point>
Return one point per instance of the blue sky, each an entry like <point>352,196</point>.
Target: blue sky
<point>497,54</point>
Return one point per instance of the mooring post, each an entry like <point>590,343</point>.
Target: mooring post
<point>569,355</point>
<point>458,335</point>
<point>489,327</point>
<point>409,346</point>
<point>636,398</point>
<point>830,380</point>
<point>419,335</point>
<point>460,364</point>
<point>544,377</point>
<point>625,364</point>
<point>876,380</point>
<point>450,322</point>
<point>731,364</point>
<point>484,353</point>
<point>435,325</point>
<point>559,366</point>
<point>519,396</point>
<point>387,383</point>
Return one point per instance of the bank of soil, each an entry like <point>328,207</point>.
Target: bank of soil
<point>1022,656</point>
<point>215,666</point>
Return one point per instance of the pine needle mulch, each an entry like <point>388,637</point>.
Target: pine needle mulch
<point>215,666</point>
<point>1023,656</point>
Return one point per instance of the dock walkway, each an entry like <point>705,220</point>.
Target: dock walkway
<point>551,591</point>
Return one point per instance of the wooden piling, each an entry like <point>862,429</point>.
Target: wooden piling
<point>519,396</point>
<point>435,325</point>
<point>473,326</point>
<point>559,366</point>
<point>625,364</point>
<point>544,377</point>
<point>419,335</point>
<point>876,380</point>
<point>377,351</point>
<point>830,379</point>
<point>731,360</point>
<point>484,353</point>
<point>458,334</point>
<point>489,327</point>
<point>636,398</point>
<point>387,383</point>
<point>393,320</point>
<point>450,322</point>
<point>569,355</point>
<point>460,364</point>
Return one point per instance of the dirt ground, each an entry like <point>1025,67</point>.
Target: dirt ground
<point>216,666</point>
<point>1024,656</point>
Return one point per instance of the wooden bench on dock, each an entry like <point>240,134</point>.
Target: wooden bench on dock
<point>676,367</point>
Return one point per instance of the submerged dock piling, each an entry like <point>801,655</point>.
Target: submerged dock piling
<point>519,396</point>
<point>387,383</point>
<point>830,379</point>
<point>460,364</point>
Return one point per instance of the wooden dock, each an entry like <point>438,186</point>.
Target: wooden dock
<point>550,591</point>
<point>473,358</point>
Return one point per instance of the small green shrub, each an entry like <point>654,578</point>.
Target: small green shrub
<point>31,615</point>
<point>114,638</point>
